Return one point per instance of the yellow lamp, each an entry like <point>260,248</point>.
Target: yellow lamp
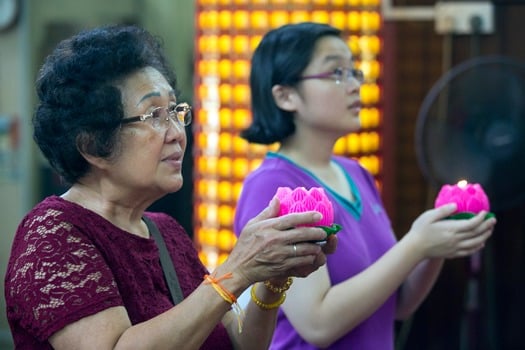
<point>240,146</point>
<point>254,41</point>
<point>340,146</point>
<point>255,163</point>
<point>224,167</point>
<point>225,19</point>
<point>240,168</point>
<point>225,44</point>
<point>353,143</point>
<point>241,94</point>
<point>354,21</point>
<point>225,142</point>
<point>371,21</point>
<point>279,18</point>
<point>241,69</point>
<point>237,189</point>
<point>241,19</point>
<point>225,240</point>
<point>241,118</point>
<point>338,19</point>
<point>225,93</point>
<point>354,45</point>
<point>299,16</point>
<point>320,16</point>
<point>374,140</point>
<point>225,118</point>
<point>225,191</point>
<point>225,215</point>
<point>225,69</point>
<point>259,19</point>
<point>240,43</point>
<point>212,165</point>
<point>201,116</point>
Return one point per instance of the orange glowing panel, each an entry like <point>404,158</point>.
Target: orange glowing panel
<point>338,19</point>
<point>225,19</point>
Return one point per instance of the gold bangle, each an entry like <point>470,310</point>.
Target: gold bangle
<point>264,306</point>
<point>279,290</point>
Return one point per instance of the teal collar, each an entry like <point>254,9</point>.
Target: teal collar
<point>355,208</point>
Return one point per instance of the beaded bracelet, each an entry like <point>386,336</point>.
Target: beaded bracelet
<point>279,290</point>
<point>265,306</point>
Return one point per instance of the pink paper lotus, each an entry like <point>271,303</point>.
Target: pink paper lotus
<point>300,200</point>
<point>469,198</point>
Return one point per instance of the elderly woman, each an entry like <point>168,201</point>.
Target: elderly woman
<point>86,268</point>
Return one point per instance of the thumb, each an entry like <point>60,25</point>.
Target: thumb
<point>444,211</point>
<point>271,211</point>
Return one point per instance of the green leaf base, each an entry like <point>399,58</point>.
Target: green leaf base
<point>468,215</point>
<point>331,230</point>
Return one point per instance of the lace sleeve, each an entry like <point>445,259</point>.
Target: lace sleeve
<point>56,275</point>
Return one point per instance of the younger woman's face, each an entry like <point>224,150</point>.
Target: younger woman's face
<point>328,104</point>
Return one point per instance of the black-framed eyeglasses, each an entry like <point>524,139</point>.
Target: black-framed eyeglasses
<point>160,117</point>
<point>339,75</point>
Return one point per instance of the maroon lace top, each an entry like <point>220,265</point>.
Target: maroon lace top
<point>68,262</point>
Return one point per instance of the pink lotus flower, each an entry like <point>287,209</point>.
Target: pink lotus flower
<point>468,197</point>
<point>300,200</point>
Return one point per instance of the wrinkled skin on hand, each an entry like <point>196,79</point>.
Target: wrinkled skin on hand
<point>265,247</point>
<point>436,237</point>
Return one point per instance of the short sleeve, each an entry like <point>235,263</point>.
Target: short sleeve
<point>56,275</point>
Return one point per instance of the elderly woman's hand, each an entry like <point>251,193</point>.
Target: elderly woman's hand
<point>272,247</point>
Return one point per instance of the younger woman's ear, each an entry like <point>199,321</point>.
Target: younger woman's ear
<point>284,97</point>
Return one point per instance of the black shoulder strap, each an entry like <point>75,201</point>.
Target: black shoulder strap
<point>165,261</point>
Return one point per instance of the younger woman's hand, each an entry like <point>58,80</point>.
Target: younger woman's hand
<point>436,236</point>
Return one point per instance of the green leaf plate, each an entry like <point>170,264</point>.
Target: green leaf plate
<point>468,215</point>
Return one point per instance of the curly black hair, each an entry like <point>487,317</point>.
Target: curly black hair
<point>279,59</point>
<point>80,107</point>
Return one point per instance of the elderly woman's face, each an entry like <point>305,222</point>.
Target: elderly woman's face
<point>151,157</point>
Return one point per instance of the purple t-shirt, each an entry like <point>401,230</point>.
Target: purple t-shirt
<point>68,262</point>
<point>365,236</point>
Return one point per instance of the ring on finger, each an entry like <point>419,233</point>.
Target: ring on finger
<point>295,250</point>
